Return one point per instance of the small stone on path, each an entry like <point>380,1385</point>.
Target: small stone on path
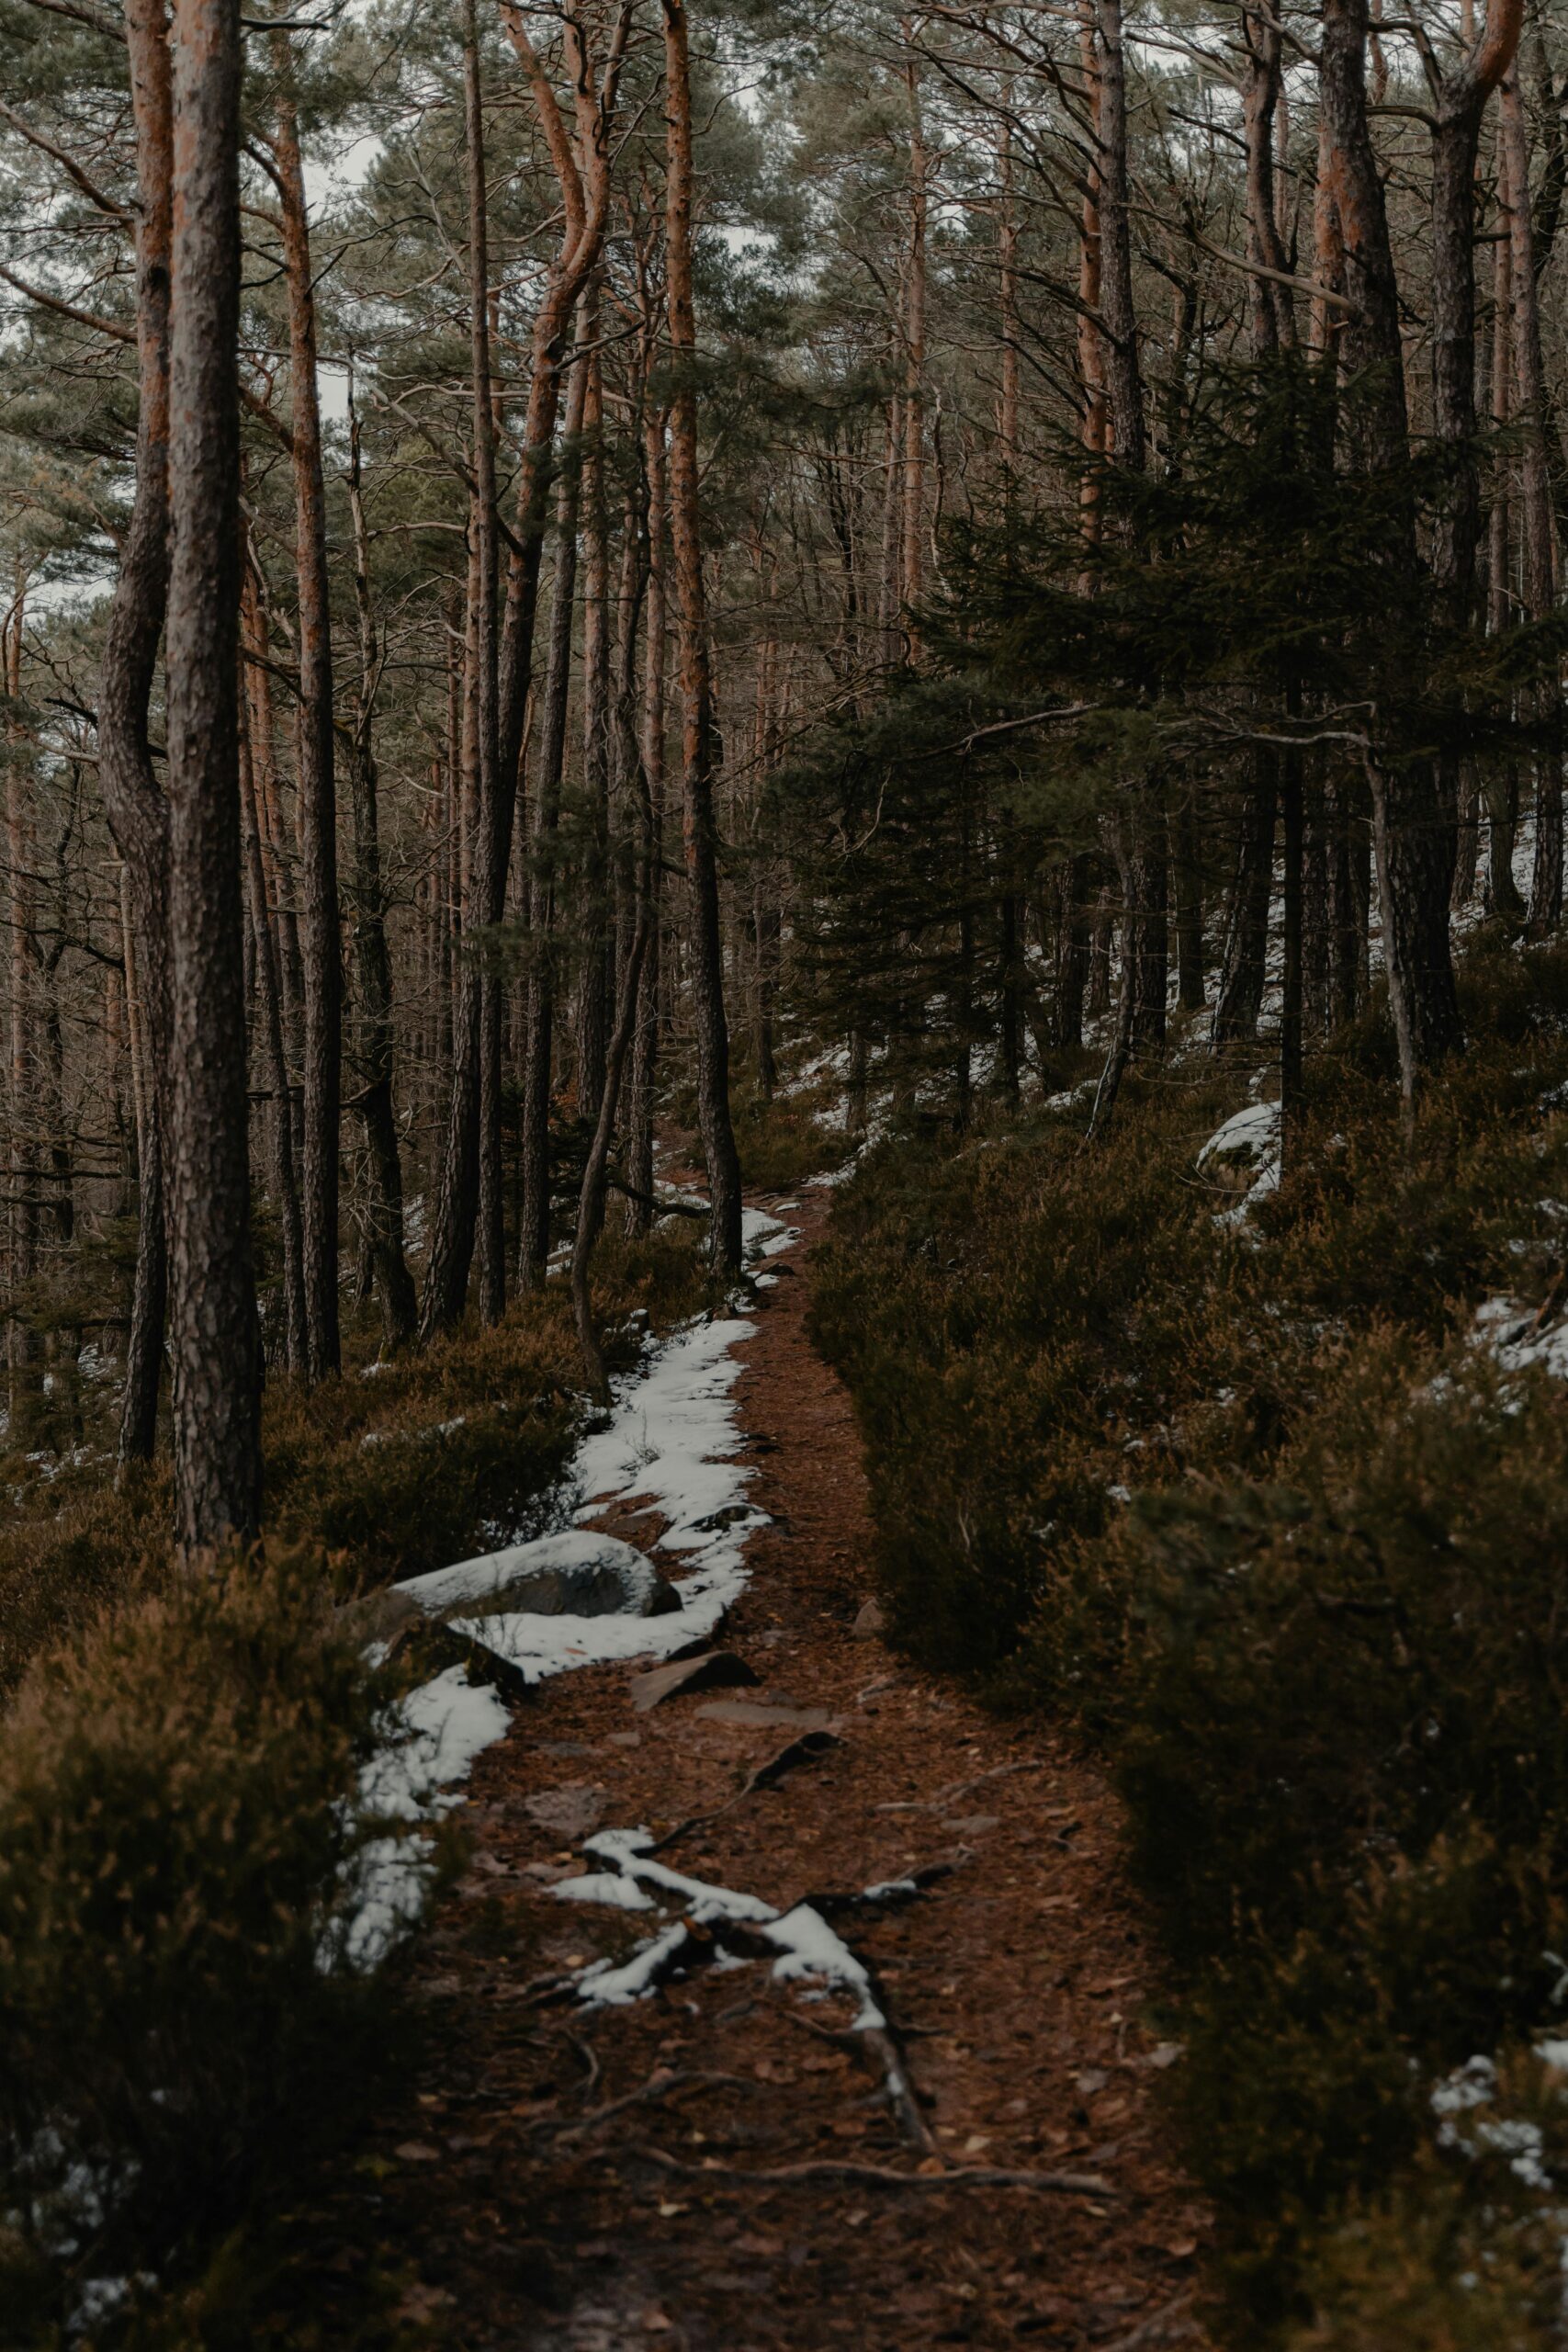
<point>571,1811</point>
<point>714,1670</point>
<point>756,1714</point>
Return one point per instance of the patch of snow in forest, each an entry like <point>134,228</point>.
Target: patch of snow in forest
<point>436,1733</point>
<point>603,1886</point>
<point>1463,2094</point>
<point>1251,1137</point>
<point>834,1063</point>
<point>1513,1333</point>
<point>667,1446</point>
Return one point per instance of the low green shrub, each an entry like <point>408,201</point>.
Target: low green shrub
<point>178,1826</point>
<point>1246,1502</point>
<point>408,1466</point>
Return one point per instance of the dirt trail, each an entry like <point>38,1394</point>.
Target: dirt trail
<point>527,2214</point>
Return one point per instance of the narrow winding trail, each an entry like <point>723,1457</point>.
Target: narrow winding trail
<point>572,2178</point>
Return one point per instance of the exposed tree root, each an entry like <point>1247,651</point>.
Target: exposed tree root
<point>1057,2184</point>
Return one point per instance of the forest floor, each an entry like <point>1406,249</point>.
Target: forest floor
<point>575,2178</point>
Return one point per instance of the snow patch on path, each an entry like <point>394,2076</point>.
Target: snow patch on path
<point>806,1945</point>
<point>438,1731</point>
<point>666,1449</point>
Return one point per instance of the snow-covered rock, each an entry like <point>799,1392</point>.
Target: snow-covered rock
<point>576,1573</point>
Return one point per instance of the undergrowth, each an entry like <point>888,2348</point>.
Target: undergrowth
<point>180,1760</point>
<point>391,1467</point>
<point>178,1835</point>
<point>1249,1503</point>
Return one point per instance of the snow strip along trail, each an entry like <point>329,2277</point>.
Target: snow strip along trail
<point>668,1447</point>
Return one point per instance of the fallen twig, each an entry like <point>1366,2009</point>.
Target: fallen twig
<point>804,1750</point>
<point>961,1788</point>
<point>1061,2184</point>
<point>1166,2325</point>
<point>660,2085</point>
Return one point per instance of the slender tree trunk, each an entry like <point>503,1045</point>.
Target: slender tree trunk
<point>594,982</point>
<point>1243,966</point>
<point>1502,784</point>
<point>213,1296</point>
<point>645,1041</point>
<point>275,1067</point>
<point>1123,375</point>
<point>1072,931</point>
<point>1186,870</point>
<point>912,564</point>
<point>23,1342</point>
<point>705,938</point>
<point>591,1200</point>
<point>1413,823</point>
<point>373,968</point>
<point>469,1201</point>
<point>1148,921</point>
<point>533,1241</point>
<point>321,938</point>
<point>1273,318</point>
<point>1096,427</point>
<point>134,801</point>
<point>1537,531</point>
<point>1006,299</point>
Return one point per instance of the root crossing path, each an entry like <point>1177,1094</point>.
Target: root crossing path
<point>878,2068</point>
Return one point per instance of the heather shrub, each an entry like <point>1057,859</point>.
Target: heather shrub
<point>1249,1504</point>
<point>179,1828</point>
<point>405,1466</point>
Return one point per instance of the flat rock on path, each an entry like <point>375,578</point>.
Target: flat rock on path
<point>590,2195</point>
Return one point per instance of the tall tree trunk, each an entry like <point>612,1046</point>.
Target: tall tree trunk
<point>471,1166</point>
<point>275,1066</point>
<point>1502,782</point>
<point>595,1172</point>
<point>212,1296</point>
<point>1096,425</point>
<point>22,1339</point>
<point>373,969</point>
<point>912,565</point>
<point>533,1246</point>
<point>1273,319</point>
<point>1456,131</point>
<point>1187,871</point>
<point>644,1039</point>
<point>1148,921</point>
<point>1243,965</point>
<point>320,936</point>
<point>1412,827</point>
<point>705,939</point>
<point>1123,375</point>
<point>132,797</point>
<point>1075,877</point>
<point>1006,299</point>
<point>593,942</point>
<point>1537,531</point>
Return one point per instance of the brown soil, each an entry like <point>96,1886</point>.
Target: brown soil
<point>517,2210</point>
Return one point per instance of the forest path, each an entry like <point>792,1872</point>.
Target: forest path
<point>521,2211</point>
